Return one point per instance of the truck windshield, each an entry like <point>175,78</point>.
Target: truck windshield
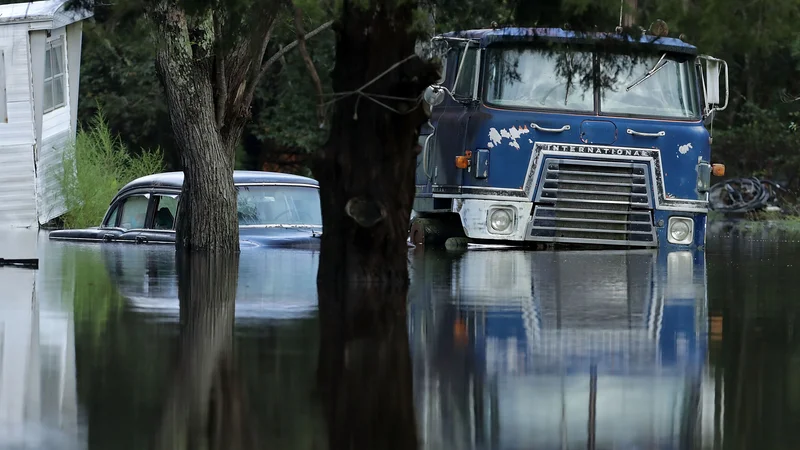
<point>564,79</point>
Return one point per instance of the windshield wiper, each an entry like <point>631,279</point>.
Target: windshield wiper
<point>649,73</point>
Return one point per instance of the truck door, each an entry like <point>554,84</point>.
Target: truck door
<point>449,138</point>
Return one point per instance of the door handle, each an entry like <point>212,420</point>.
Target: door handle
<point>550,130</point>
<point>108,237</point>
<point>141,239</point>
<point>638,133</point>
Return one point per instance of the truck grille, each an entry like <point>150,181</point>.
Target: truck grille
<point>580,201</point>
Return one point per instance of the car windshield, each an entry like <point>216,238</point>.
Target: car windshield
<point>559,78</point>
<point>266,205</point>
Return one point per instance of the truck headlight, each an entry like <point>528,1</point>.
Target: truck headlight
<point>501,220</point>
<point>680,230</point>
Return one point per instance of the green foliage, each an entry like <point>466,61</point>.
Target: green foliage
<point>118,76</point>
<point>96,166</point>
<point>762,143</point>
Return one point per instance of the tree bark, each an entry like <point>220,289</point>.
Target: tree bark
<point>366,169</point>
<point>364,368</point>
<point>205,406</point>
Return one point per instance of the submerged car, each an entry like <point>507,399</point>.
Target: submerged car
<point>274,209</point>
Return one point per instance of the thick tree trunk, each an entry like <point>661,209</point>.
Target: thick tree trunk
<point>366,169</point>
<point>365,372</point>
<point>207,215</point>
<point>204,408</point>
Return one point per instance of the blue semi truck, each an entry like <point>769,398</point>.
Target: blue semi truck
<point>563,137</point>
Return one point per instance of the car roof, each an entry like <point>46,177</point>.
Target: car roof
<point>515,34</point>
<point>175,179</point>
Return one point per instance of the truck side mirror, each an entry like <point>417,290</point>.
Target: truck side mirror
<point>434,95</point>
<point>712,82</point>
<point>711,86</point>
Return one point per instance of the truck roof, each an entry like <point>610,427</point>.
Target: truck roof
<point>488,36</point>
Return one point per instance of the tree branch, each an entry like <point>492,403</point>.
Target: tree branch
<point>252,87</point>
<point>294,44</point>
<point>301,43</point>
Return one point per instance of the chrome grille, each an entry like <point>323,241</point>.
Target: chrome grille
<point>580,201</point>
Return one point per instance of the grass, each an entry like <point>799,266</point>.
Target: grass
<point>767,224</point>
<point>96,166</point>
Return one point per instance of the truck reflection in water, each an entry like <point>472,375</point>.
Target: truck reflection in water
<point>561,350</point>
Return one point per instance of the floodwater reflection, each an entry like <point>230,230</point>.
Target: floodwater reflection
<point>119,347</point>
<point>206,406</point>
<point>516,349</point>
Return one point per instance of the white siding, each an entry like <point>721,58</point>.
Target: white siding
<point>17,186</point>
<point>56,137</point>
<point>19,129</point>
<point>17,176</point>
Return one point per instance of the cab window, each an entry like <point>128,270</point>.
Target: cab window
<point>465,79</point>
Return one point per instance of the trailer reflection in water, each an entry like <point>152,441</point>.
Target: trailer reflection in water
<point>561,349</point>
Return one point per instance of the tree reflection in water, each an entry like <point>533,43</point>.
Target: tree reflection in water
<point>365,367</point>
<point>205,407</point>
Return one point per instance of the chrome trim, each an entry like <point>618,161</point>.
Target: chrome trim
<point>277,184</point>
<point>540,149</point>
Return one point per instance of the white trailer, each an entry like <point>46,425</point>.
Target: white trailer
<point>40,54</point>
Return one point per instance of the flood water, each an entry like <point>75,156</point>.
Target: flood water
<point>508,350</point>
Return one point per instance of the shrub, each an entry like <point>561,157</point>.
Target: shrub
<point>96,166</point>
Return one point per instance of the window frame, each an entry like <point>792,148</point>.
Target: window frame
<point>52,45</point>
<point>3,90</point>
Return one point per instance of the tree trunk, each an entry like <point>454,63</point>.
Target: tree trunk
<point>364,366</point>
<point>204,408</point>
<point>207,215</point>
<point>366,169</point>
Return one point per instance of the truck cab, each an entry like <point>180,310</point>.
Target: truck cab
<point>553,136</point>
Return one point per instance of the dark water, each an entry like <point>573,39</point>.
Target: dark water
<point>508,349</point>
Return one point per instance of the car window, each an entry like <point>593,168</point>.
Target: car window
<point>165,212</point>
<point>134,211</point>
<point>112,219</point>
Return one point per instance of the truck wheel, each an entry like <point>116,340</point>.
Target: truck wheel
<point>433,232</point>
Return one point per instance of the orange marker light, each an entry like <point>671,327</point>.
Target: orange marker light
<point>462,162</point>
<point>718,170</point>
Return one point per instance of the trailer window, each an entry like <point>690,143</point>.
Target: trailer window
<point>54,76</point>
<point>669,92</point>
